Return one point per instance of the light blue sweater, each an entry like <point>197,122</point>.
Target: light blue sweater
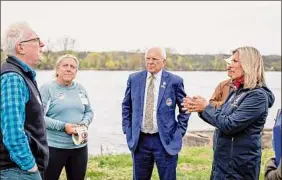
<point>64,104</point>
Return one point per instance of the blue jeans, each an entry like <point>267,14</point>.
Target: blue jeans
<point>17,173</point>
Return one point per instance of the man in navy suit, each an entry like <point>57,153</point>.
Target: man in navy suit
<point>152,131</point>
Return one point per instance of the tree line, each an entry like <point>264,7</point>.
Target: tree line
<point>118,60</point>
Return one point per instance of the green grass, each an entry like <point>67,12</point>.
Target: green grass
<point>194,163</point>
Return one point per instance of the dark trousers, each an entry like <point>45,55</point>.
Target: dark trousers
<point>74,161</point>
<point>148,151</point>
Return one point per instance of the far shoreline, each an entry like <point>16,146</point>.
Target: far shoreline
<point>105,70</point>
<point>202,138</point>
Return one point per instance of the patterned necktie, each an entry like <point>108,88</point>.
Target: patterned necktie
<point>149,105</point>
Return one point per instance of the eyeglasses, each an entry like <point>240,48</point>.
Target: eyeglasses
<point>30,40</point>
<point>153,59</point>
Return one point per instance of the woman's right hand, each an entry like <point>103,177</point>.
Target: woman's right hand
<point>187,104</point>
<point>71,128</point>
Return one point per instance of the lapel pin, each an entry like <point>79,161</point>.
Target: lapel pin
<point>61,96</point>
<point>168,101</point>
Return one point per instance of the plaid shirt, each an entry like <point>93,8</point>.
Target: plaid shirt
<point>14,96</point>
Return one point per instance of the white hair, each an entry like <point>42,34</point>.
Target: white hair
<point>163,53</point>
<point>13,35</point>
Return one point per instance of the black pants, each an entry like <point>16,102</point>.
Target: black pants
<point>74,161</point>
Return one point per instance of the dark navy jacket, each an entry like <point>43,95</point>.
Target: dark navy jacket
<point>239,122</point>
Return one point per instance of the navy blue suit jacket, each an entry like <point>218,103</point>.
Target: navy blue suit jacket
<point>171,130</point>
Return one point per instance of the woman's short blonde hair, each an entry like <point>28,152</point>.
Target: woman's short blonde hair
<point>252,64</point>
<point>61,58</point>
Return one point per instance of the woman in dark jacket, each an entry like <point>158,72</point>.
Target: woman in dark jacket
<point>240,120</point>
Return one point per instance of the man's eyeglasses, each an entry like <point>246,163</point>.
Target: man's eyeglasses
<point>153,59</point>
<point>31,40</point>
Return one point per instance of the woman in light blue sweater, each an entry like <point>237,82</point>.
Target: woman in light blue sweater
<point>67,108</point>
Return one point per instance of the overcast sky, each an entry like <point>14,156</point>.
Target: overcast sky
<point>187,27</point>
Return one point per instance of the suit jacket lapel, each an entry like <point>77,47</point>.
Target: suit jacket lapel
<point>163,86</point>
<point>142,86</point>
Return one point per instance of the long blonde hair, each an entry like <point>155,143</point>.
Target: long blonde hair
<point>252,64</point>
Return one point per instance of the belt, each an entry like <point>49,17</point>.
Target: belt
<point>149,134</point>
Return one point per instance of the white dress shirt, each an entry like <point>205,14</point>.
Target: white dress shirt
<point>157,82</point>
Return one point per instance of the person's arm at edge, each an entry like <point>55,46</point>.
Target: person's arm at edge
<point>271,171</point>
<point>216,98</point>
<point>88,113</point>
<point>182,117</point>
